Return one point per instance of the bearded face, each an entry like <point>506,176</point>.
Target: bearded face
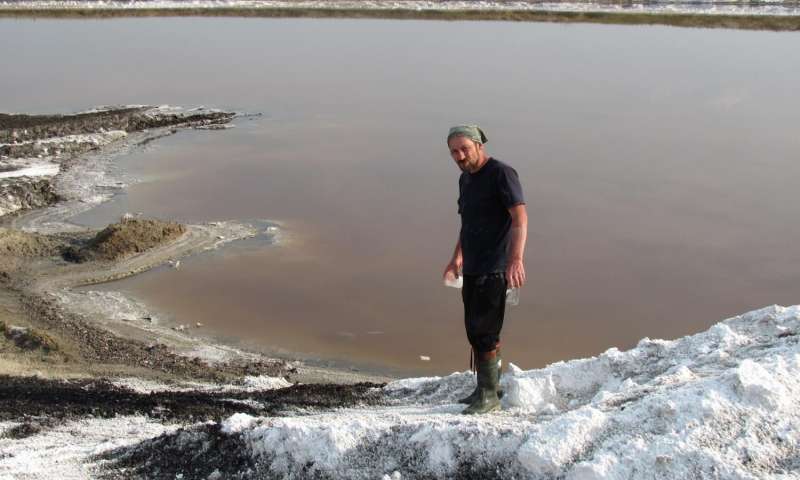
<point>467,154</point>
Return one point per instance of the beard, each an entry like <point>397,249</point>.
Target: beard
<point>469,164</point>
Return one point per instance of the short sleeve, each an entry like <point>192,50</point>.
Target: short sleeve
<point>509,187</point>
<point>460,193</point>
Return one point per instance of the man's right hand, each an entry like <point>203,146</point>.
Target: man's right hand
<point>452,271</point>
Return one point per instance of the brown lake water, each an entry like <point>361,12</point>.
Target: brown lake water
<point>660,167</point>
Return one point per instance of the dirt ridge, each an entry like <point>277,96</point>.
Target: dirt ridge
<point>23,127</point>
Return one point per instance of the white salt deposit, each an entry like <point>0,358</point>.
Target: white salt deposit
<point>217,353</point>
<point>112,306</point>
<point>237,422</point>
<point>105,108</point>
<point>249,384</point>
<point>264,382</point>
<point>66,451</point>
<point>97,139</point>
<point>724,403</point>
<point>34,169</point>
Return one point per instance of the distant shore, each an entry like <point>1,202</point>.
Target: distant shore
<point>686,20</point>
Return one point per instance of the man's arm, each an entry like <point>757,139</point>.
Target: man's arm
<point>454,267</point>
<point>515,271</point>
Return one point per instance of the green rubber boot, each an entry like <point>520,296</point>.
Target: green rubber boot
<point>471,397</point>
<point>488,379</point>
<point>474,395</point>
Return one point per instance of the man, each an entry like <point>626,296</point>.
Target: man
<point>489,253</point>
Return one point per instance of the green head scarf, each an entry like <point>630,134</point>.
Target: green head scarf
<point>473,132</point>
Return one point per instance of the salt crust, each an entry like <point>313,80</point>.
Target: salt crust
<point>249,384</point>
<point>65,451</point>
<point>724,403</point>
<point>32,169</point>
<point>709,7</point>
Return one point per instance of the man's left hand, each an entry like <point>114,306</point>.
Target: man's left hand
<point>515,274</point>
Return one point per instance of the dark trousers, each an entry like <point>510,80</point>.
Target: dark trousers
<point>484,308</point>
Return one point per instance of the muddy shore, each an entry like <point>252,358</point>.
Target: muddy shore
<point>43,256</point>
<point>59,358</point>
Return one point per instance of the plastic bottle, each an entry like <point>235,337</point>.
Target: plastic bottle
<point>451,280</point>
<point>512,296</point>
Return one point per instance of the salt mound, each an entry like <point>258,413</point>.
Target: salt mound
<point>724,403</point>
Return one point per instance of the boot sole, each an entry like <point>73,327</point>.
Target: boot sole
<point>468,401</point>
<point>491,409</point>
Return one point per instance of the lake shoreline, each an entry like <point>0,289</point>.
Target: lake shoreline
<point>683,20</point>
<point>113,333</point>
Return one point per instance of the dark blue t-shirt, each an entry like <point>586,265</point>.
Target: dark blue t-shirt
<point>483,202</point>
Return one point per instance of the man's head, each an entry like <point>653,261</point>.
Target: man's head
<point>466,147</point>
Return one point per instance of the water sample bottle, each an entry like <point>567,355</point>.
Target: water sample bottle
<point>451,280</point>
<point>512,296</point>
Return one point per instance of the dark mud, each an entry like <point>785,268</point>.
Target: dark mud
<point>32,400</point>
<point>201,452</point>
